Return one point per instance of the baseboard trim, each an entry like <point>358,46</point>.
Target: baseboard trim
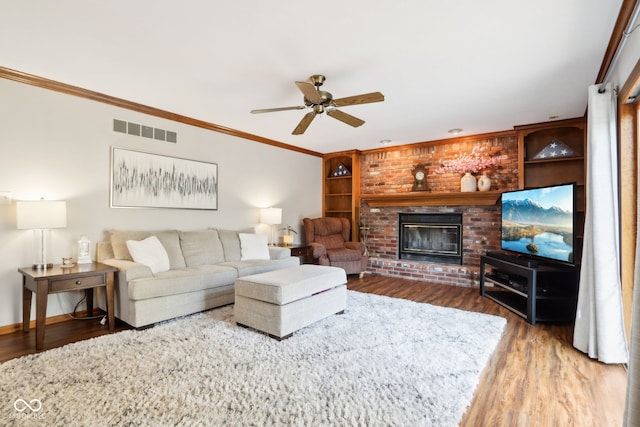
<point>10,329</point>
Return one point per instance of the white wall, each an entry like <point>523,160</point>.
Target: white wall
<point>58,146</point>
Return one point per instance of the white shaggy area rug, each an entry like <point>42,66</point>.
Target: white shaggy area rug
<point>386,361</point>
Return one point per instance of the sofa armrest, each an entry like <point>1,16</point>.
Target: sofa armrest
<point>276,252</point>
<point>359,246</point>
<point>129,270</point>
<point>318,250</point>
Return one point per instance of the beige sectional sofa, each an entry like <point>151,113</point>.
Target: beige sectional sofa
<point>202,268</point>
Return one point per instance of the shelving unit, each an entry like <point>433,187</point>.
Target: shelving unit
<point>341,194</point>
<point>534,173</point>
<point>538,293</point>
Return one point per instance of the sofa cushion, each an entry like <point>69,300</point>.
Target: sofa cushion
<point>169,239</point>
<point>230,243</point>
<point>149,252</point>
<point>201,247</point>
<point>181,281</point>
<point>253,246</point>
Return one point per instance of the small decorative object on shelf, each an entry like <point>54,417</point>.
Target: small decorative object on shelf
<point>468,183</point>
<point>287,237</point>
<point>341,170</point>
<point>468,164</point>
<point>554,150</point>
<point>484,183</point>
<point>67,262</point>
<point>419,174</point>
<point>84,250</point>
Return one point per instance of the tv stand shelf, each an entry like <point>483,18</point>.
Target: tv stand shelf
<point>535,291</point>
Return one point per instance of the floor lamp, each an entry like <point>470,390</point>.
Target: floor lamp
<point>271,217</point>
<point>40,216</point>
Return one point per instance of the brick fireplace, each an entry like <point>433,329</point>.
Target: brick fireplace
<point>387,173</point>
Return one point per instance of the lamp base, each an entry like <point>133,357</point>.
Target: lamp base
<point>42,266</point>
<point>84,260</point>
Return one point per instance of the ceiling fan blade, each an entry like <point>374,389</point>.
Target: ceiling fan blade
<point>309,91</point>
<point>271,110</point>
<point>304,124</point>
<point>346,118</point>
<point>359,99</point>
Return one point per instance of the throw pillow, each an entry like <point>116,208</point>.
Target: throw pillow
<point>149,252</point>
<point>253,246</point>
<point>169,239</point>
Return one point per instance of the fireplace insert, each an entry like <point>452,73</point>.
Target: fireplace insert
<point>430,237</point>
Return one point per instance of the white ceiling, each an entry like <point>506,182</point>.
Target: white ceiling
<point>482,66</point>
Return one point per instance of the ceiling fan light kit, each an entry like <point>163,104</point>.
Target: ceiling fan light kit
<point>321,101</point>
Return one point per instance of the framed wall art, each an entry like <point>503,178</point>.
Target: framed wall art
<point>144,180</point>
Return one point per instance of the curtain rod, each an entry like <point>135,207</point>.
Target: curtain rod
<point>627,32</point>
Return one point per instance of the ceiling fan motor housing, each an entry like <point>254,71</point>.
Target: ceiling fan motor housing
<point>325,99</point>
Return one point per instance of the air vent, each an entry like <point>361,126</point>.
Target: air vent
<point>144,131</point>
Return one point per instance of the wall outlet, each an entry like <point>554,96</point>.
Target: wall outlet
<point>5,197</point>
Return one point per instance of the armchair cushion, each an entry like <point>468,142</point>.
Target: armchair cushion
<point>332,241</point>
<point>344,255</point>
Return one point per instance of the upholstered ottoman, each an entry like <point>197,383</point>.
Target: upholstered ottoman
<point>281,302</point>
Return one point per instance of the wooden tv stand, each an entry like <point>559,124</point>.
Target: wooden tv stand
<point>536,291</point>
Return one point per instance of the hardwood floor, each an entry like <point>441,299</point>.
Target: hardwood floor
<point>535,377</point>
<point>18,344</point>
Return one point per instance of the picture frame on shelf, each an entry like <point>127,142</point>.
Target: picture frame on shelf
<point>145,180</point>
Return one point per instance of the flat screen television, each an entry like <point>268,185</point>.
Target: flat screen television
<point>540,222</point>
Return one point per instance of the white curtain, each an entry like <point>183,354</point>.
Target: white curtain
<point>599,328</point>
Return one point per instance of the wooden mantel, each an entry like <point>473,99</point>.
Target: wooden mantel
<point>419,198</point>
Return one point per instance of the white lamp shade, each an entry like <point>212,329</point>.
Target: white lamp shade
<point>271,216</point>
<point>41,214</point>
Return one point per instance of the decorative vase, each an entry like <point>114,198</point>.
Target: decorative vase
<point>484,183</point>
<point>468,183</point>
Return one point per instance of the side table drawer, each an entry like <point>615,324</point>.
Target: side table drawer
<point>77,283</point>
<point>300,251</point>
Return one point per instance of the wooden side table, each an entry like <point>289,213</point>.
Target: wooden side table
<point>301,251</point>
<point>57,279</point>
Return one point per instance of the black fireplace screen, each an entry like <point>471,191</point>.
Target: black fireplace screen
<point>431,237</point>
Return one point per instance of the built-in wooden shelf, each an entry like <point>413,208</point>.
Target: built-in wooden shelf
<point>419,198</point>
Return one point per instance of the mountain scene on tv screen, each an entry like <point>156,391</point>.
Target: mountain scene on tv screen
<point>530,228</point>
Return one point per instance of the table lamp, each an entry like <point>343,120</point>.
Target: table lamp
<point>41,216</point>
<point>271,217</point>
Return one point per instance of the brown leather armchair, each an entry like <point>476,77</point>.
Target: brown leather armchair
<point>329,240</point>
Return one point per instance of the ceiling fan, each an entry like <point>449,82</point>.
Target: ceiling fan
<point>321,101</point>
